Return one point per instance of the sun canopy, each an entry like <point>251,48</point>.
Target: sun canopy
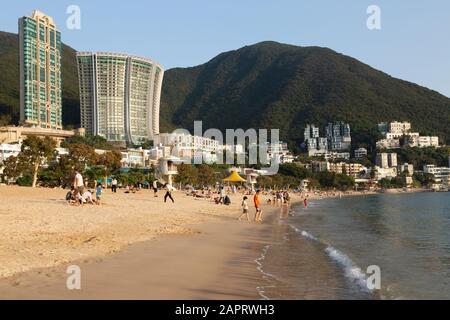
<point>234,177</point>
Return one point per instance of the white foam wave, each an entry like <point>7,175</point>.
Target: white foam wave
<point>259,267</point>
<point>351,270</point>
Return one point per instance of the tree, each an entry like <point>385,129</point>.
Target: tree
<point>11,168</point>
<point>110,161</point>
<point>264,181</point>
<point>425,179</point>
<point>187,174</point>
<point>34,152</point>
<point>5,119</point>
<point>94,173</point>
<point>206,175</point>
<point>82,156</point>
<point>97,142</point>
<point>294,170</point>
<point>146,144</point>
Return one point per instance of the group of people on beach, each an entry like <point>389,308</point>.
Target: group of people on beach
<point>80,195</point>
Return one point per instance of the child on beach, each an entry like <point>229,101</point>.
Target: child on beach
<point>98,193</point>
<point>244,209</point>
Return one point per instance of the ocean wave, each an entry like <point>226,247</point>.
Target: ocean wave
<point>351,270</point>
<point>259,267</point>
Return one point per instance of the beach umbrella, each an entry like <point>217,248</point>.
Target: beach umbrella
<point>234,177</point>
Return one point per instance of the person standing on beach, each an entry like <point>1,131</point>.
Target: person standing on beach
<point>257,202</point>
<point>155,188</point>
<point>78,183</point>
<point>114,185</point>
<point>222,195</point>
<point>305,203</point>
<point>168,194</point>
<point>244,209</point>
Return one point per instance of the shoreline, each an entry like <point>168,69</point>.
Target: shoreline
<point>219,261</point>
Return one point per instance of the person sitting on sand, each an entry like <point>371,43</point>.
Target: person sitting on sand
<point>227,200</point>
<point>87,197</point>
<point>71,196</point>
<point>79,199</point>
<point>244,205</point>
<point>257,202</point>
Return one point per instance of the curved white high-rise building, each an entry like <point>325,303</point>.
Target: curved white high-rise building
<point>119,96</point>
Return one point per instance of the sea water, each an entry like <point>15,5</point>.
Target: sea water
<point>323,251</point>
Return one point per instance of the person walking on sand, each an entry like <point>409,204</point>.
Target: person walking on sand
<point>155,188</point>
<point>257,202</point>
<point>114,185</point>
<point>168,194</point>
<point>305,203</point>
<point>244,209</point>
<point>78,183</point>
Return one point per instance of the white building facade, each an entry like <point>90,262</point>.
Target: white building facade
<point>119,96</point>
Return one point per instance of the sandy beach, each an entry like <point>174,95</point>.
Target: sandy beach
<point>191,249</point>
<point>133,246</point>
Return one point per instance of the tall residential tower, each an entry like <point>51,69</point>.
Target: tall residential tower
<point>119,96</point>
<point>40,72</point>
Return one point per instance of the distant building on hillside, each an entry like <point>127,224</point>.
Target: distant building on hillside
<point>388,144</point>
<point>440,174</point>
<point>386,160</point>
<point>423,141</point>
<point>338,136</point>
<point>315,145</point>
<point>395,130</point>
<point>334,155</point>
<point>40,72</point>
<point>360,153</point>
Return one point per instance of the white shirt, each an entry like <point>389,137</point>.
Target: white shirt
<point>87,195</point>
<point>78,180</point>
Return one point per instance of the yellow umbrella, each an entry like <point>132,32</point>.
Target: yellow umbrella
<point>234,177</point>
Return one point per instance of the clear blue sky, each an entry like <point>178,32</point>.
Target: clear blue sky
<point>412,44</point>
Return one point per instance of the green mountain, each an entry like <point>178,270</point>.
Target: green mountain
<point>273,85</point>
<point>266,85</point>
<point>9,80</point>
